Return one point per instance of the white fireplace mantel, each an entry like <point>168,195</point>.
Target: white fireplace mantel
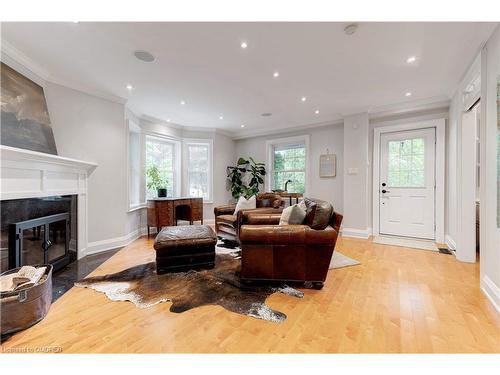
<point>31,174</point>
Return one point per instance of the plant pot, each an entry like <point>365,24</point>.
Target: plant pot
<point>162,193</point>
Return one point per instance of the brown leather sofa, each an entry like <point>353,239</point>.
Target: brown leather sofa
<point>293,253</point>
<point>227,224</point>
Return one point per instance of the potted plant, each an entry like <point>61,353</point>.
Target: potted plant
<point>155,181</point>
<point>245,170</point>
<point>235,177</point>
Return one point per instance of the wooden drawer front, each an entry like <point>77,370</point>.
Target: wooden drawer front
<point>183,202</point>
<point>197,204</point>
<point>165,213</point>
<point>197,214</point>
<point>152,216</point>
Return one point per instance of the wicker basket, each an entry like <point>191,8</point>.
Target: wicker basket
<point>23,308</point>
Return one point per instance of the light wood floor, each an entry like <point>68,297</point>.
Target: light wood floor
<point>397,300</point>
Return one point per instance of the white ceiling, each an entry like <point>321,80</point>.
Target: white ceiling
<point>203,64</point>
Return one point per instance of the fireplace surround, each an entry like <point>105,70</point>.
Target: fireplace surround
<point>38,230</point>
<point>25,175</point>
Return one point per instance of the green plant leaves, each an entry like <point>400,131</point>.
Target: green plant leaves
<point>155,179</point>
<point>236,173</point>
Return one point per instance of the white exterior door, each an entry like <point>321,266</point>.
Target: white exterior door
<point>407,183</point>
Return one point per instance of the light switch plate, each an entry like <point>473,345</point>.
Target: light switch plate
<point>352,170</point>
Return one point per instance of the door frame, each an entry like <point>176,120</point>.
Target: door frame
<point>439,125</point>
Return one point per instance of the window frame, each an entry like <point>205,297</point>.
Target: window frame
<point>186,142</point>
<point>133,127</point>
<point>177,156</point>
<point>271,145</point>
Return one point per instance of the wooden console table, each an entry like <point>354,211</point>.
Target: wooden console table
<point>164,212</point>
<point>285,194</point>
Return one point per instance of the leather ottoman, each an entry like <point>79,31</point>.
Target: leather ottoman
<point>185,247</point>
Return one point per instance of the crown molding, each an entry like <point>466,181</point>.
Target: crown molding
<point>23,60</point>
<point>375,113</point>
<point>45,75</point>
<point>184,128</point>
<point>419,106</point>
<point>87,90</point>
<point>402,107</point>
<point>264,132</point>
<point>155,120</point>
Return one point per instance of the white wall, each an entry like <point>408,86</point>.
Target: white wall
<point>331,137</point>
<point>93,129</point>
<point>490,234</point>
<point>357,220</point>
<point>454,120</point>
<point>90,128</point>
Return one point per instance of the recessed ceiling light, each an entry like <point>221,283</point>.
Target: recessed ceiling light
<point>303,99</point>
<point>129,87</point>
<point>221,117</point>
<point>183,102</point>
<point>242,125</point>
<point>144,56</point>
<point>168,120</point>
<point>244,45</point>
<point>411,59</point>
<point>276,74</point>
<point>408,94</point>
<point>316,111</point>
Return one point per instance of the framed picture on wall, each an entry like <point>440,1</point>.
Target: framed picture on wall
<point>327,165</point>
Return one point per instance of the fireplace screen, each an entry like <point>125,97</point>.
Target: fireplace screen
<point>40,241</point>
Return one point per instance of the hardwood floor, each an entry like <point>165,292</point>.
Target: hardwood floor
<point>397,300</point>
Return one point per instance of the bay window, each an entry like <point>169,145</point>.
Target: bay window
<point>198,168</point>
<point>161,164</point>
<point>136,194</point>
<point>182,166</point>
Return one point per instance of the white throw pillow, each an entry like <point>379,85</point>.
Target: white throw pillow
<point>246,204</point>
<point>292,215</point>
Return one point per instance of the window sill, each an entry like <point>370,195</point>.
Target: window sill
<point>137,207</point>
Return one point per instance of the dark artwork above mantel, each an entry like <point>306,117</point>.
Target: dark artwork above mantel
<point>25,118</point>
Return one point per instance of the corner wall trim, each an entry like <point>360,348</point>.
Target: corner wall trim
<point>450,242</point>
<point>491,291</point>
<point>356,233</point>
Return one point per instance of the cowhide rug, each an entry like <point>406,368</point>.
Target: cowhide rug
<point>187,290</point>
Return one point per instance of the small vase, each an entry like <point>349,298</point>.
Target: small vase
<point>162,193</point>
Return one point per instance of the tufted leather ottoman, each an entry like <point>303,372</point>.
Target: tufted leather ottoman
<point>185,247</point>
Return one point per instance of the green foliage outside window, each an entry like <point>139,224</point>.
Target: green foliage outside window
<point>290,164</point>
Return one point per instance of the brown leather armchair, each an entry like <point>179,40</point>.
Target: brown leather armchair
<point>227,224</point>
<point>293,253</point>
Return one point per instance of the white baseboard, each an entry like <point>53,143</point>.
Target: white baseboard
<point>450,242</point>
<point>356,233</point>
<point>491,291</point>
<point>113,243</point>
